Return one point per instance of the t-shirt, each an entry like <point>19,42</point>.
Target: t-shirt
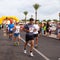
<point>29,27</point>
<point>17,29</point>
<point>10,27</point>
<point>37,28</point>
<point>44,28</point>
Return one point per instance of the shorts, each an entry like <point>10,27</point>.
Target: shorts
<point>16,34</point>
<point>29,37</point>
<point>39,32</point>
<point>35,35</point>
<point>10,32</point>
<point>47,30</point>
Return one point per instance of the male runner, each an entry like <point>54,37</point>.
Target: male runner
<point>29,28</point>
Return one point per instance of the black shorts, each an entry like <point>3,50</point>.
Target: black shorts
<point>10,32</point>
<point>47,30</point>
<point>35,35</point>
<point>38,32</point>
<point>29,37</point>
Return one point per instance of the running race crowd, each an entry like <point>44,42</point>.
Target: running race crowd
<point>32,29</point>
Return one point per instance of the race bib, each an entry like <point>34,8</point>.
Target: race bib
<point>31,29</point>
<point>11,29</point>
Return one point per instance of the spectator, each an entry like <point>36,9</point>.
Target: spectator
<point>58,30</point>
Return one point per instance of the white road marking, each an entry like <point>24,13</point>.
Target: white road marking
<point>46,58</point>
<point>58,58</point>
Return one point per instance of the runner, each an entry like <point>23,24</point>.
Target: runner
<point>29,28</point>
<point>17,34</point>
<point>10,29</point>
<point>7,29</point>
<point>36,32</point>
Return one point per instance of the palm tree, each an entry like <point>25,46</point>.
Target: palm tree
<point>36,6</point>
<point>44,20</point>
<point>48,20</point>
<point>55,20</point>
<point>25,13</point>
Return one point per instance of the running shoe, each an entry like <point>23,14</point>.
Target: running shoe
<point>25,51</point>
<point>15,44</point>
<point>31,54</point>
<point>36,46</point>
<point>10,38</point>
<point>18,43</point>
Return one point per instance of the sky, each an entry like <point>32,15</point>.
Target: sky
<point>49,9</point>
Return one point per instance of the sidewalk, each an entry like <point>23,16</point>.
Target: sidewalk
<point>53,36</point>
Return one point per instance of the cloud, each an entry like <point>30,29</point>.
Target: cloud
<point>51,7</point>
<point>48,9</point>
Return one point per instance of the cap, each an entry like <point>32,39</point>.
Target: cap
<point>11,21</point>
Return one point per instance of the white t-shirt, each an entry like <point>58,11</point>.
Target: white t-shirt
<point>17,29</point>
<point>37,28</point>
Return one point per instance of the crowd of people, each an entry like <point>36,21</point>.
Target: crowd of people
<point>46,29</point>
<point>33,29</point>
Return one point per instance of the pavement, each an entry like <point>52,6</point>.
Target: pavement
<point>48,49</point>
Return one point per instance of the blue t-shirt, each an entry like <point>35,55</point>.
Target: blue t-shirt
<point>10,27</point>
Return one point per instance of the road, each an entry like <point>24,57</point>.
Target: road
<point>48,49</point>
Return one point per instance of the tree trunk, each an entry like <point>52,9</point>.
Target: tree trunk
<point>36,15</point>
<point>25,19</point>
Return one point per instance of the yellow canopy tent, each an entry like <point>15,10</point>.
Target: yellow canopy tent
<point>0,21</point>
<point>15,18</point>
<point>8,17</point>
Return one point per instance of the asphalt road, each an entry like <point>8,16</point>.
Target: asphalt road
<point>48,49</point>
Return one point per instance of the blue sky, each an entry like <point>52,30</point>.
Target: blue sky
<point>49,8</point>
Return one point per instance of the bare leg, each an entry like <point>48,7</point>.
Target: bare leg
<point>19,38</point>
<point>36,41</point>
<point>32,45</point>
<point>25,45</point>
